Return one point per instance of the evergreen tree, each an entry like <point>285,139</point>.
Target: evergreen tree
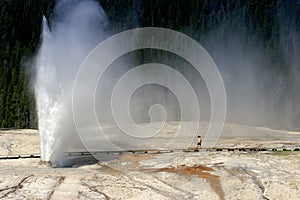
<point>268,20</point>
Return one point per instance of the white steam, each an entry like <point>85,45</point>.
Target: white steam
<point>77,28</point>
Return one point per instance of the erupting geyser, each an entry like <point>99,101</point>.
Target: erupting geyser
<point>75,30</point>
<point>70,61</point>
<point>63,94</point>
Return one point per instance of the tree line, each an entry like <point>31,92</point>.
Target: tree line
<point>20,28</point>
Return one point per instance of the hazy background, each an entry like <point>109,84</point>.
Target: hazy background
<point>254,43</point>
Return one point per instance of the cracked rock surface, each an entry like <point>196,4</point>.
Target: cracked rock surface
<point>199,175</point>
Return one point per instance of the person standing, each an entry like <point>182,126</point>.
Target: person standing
<point>199,142</point>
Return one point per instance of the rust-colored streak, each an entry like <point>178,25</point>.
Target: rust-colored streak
<point>201,171</point>
<point>134,159</point>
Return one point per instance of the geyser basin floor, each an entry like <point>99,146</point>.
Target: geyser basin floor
<point>15,142</point>
<point>213,175</point>
<point>199,175</point>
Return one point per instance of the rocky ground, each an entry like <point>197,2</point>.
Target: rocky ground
<point>178,175</point>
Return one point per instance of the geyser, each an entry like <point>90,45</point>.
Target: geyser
<point>65,69</point>
<point>76,28</point>
<point>256,93</point>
